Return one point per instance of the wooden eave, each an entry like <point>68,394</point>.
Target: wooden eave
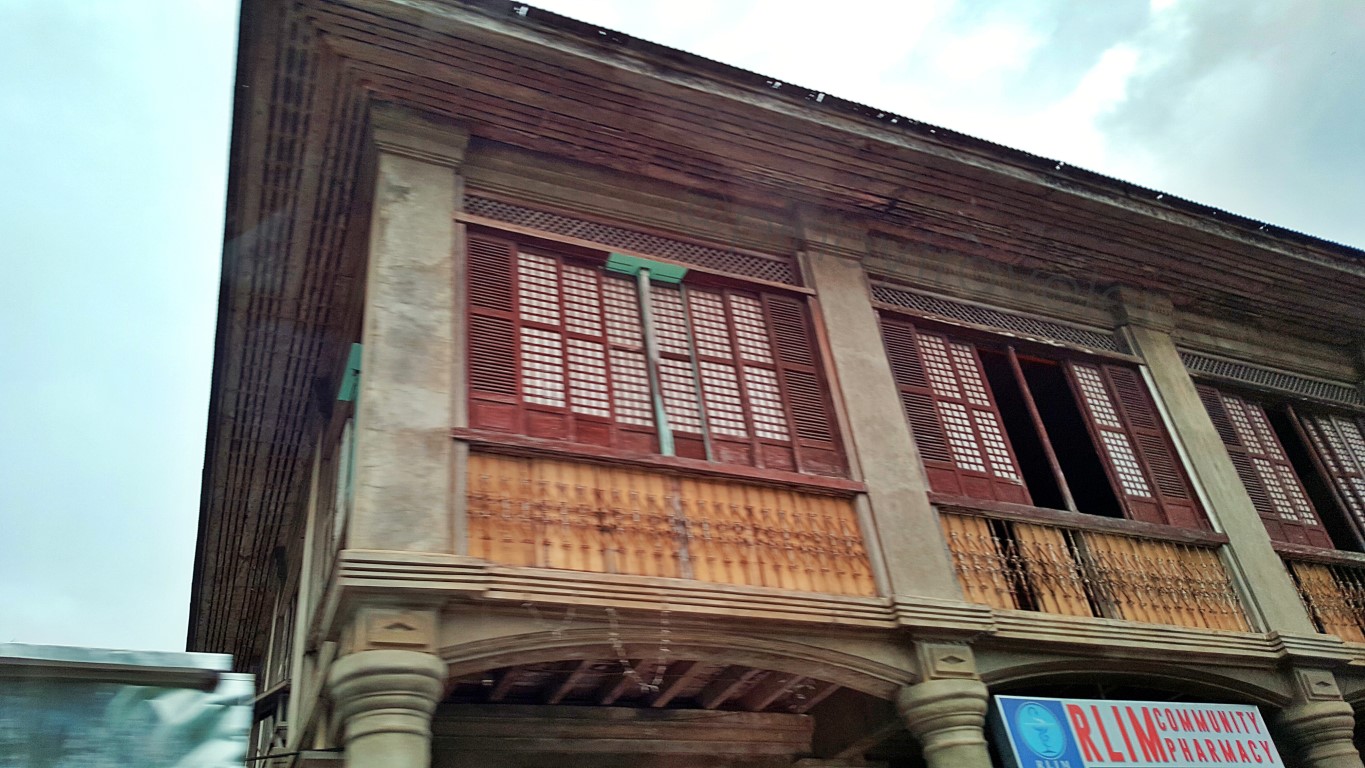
<point>545,84</point>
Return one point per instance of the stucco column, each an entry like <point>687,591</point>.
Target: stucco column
<point>405,409</point>
<point>948,718</point>
<point>1149,321</point>
<point>1322,733</point>
<point>384,700</point>
<point>916,557</point>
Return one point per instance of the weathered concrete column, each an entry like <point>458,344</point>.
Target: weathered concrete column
<point>948,718</point>
<point>403,488</point>
<point>1149,321</point>
<point>916,556</point>
<point>384,700</point>
<point>1322,733</point>
<point>1318,727</point>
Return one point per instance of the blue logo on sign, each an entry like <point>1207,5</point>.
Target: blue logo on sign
<point>1040,730</point>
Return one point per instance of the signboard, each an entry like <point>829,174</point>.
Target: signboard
<point>1085,733</point>
<point>66,707</point>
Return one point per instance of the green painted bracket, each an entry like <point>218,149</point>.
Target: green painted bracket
<point>659,272</point>
<point>350,381</point>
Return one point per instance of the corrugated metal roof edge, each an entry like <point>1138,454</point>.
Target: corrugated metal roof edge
<point>608,39</point>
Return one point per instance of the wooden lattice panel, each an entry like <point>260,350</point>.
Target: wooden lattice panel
<point>552,513</point>
<point>770,268</point>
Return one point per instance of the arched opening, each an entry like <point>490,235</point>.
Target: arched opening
<point>580,702</point>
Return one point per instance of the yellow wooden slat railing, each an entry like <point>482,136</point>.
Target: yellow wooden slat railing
<point>577,515</point>
<point>1334,596</point>
<point>1072,571</point>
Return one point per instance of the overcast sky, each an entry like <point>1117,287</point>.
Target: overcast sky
<point>113,141</point>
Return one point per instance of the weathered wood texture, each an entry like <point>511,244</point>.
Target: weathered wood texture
<point>1009,564</point>
<point>1334,595</point>
<point>580,516</point>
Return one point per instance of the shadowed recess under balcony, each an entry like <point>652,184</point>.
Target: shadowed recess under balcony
<point>580,516</point>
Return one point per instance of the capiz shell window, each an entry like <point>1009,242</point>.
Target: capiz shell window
<point>562,349</point>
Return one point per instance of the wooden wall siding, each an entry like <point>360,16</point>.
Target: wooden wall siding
<point>1334,596</point>
<point>1009,564</point>
<point>581,516</point>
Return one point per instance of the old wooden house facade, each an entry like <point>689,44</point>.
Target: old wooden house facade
<point>580,401</point>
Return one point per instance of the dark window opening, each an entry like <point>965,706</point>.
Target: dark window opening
<point>1318,489</point>
<point>1076,454</point>
<point>1023,435</point>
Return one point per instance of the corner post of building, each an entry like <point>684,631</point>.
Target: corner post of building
<point>1319,724</point>
<point>946,711</point>
<point>1149,321</point>
<point>878,436</point>
<point>404,455</point>
<point>384,691</point>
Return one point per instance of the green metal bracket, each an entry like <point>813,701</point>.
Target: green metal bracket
<point>350,381</point>
<point>659,272</point>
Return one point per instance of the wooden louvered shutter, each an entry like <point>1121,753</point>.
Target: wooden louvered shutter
<point>1265,470</point>
<point>953,415</point>
<point>494,386</point>
<point>1339,442</point>
<point>810,415</point>
<point>1140,458</point>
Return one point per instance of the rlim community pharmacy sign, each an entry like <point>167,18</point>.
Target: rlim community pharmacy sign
<point>1082,733</point>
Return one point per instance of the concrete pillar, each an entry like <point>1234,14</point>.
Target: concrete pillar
<point>1322,733</point>
<point>384,700</point>
<point>1270,590</point>
<point>916,557</point>
<point>405,409</point>
<point>947,717</point>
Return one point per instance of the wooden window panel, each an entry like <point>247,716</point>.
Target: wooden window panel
<point>494,380</point>
<point>558,352</point>
<point>1265,469</point>
<point>952,412</point>
<point>810,415</point>
<point>1141,461</point>
<point>1339,442</point>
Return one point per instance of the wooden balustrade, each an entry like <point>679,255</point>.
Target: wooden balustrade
<point>553,513</point>
<point>1078,570</point>
<point>1332,586</point>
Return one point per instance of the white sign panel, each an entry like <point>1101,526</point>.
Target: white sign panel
<point>1085,733</point>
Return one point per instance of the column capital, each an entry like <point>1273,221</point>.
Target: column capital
<point>386,692</point>
<point>1322,731</point>
<point>401,131</point>
<point>947,717</point>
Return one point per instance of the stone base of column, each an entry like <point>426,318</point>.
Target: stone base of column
<point>384,699</point>
<point>1322,731</point>
<point>948,719</point>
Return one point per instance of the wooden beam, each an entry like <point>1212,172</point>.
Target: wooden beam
<point>768,690</point>
<point>567,685</point>
<point>726,685</point>
<point>858,747</point>
<point>614,690</point>
<point>688,671</point>
<point>816,697</point>
<point>505,683</point>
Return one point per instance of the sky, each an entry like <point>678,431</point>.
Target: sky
<point>114,116</point>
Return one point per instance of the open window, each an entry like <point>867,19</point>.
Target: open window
<point>998,422</point>
<point>1264,466</point>
<point>626,354</point>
